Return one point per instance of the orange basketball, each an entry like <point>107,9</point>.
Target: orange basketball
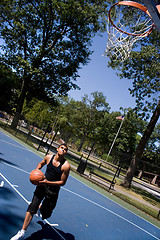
<point>36,176</point>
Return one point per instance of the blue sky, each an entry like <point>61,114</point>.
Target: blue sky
<point>96,76</point>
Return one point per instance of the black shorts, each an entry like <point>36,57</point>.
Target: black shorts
<point>49,201</point>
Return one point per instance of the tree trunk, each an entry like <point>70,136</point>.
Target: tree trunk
<point>25,81</point>
<point>20,102</point>
<point>81,144</point>
<point>140,148</point>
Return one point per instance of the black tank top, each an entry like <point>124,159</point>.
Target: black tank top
<point>53,174</point>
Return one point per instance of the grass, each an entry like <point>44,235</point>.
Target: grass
<point>139,205</point>
<point>147,196</point>
<point>134,196</point>
<point>104,174</point>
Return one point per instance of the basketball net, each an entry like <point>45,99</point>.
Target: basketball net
<point>126,25</point>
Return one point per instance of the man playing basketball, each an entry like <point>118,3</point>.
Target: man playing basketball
<point>56,175</point>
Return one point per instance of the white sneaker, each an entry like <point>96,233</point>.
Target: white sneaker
<point>19,235</point>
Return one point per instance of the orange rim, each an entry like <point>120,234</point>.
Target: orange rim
<point>136,5</point>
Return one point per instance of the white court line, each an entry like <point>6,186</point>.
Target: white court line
<point>116,203</point>
<point>2,184</point>
<point>14,188</point>
<point>27,201</point>
<point>84,199</point>
<point>51,224</point>
<point>24,148</point>
<point>110,212</point>
<point>1,161</point>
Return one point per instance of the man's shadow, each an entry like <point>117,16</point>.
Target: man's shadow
<point>48,232</point>
<point>2,160</point>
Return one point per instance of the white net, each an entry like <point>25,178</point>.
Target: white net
<point>129,24</point>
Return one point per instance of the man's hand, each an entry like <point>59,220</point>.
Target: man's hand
<point>44,182</point>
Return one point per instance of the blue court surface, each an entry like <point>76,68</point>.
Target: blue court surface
<point>81,212</point>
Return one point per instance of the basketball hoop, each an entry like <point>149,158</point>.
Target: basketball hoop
<point>128,22</point>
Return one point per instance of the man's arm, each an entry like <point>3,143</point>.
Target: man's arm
<point>43,162</point>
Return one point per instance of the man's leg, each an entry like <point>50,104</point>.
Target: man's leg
<point>21,233</point>
<point>32,209</point>
<point>27,220</point>
<point>48,204</point>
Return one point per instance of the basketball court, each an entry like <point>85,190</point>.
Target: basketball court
<point>82,213</point>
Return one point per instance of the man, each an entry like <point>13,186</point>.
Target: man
<point>56,175</point>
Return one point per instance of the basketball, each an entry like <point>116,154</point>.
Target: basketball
<point>36,176</point>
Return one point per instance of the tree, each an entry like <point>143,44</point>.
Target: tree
<point>151,155</point>
<point>39,114</point>
<point>143,67</point>
<point>9,85</point>
<point>96,106</point>
<point>125,143</point>
<point>83,116</point>
<point>152,151</point>
<point>140,148</point>
<point>46,42</point>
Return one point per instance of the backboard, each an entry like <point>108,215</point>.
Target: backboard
<point>153,7</point>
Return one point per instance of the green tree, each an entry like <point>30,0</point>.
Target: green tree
<point>39,114</point>
<point>83,116</point>
<point>67,110</point>
<point>46,42</point>
<point>96,106</point>
<point>77,114</point>
<point>9,85</point>
<point>126,139</point>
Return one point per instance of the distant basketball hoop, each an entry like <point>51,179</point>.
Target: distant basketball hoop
<point>128,22</point>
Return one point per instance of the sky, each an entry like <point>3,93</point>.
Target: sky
<point>96,76</point>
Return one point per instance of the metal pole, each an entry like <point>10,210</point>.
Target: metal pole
<point>114,139</point>
<point>90,152</point>
<point>43,137</point>
<point>52,140</point>
<point>114,177</point>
